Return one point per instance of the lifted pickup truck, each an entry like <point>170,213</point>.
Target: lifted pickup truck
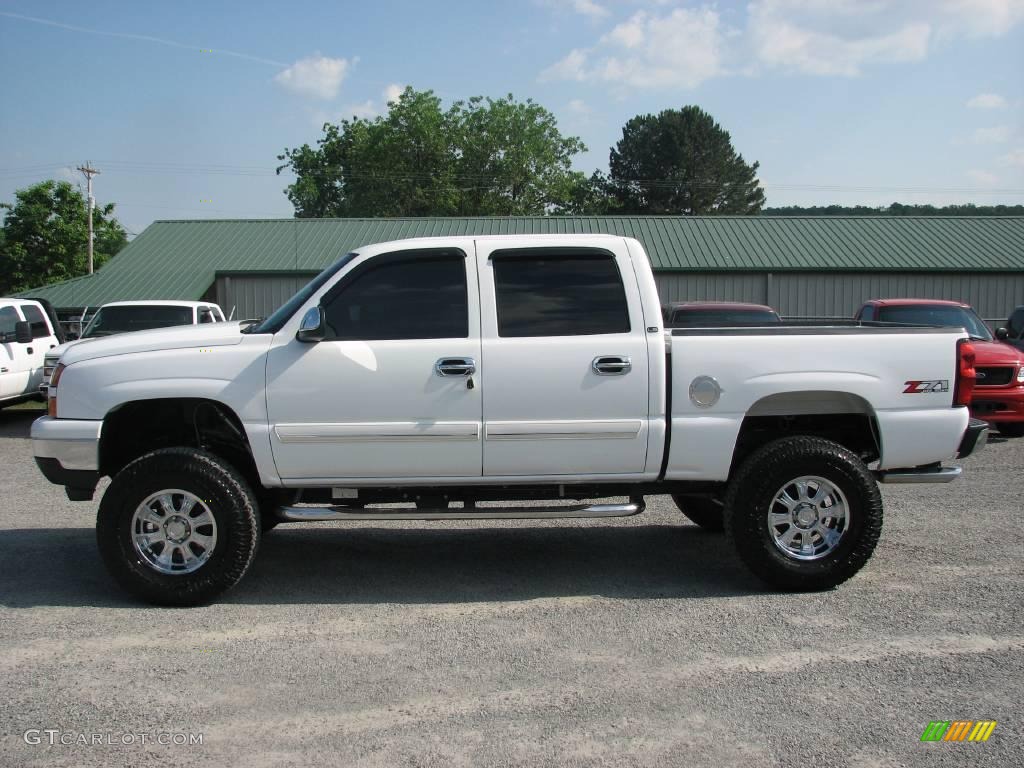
<point>467,370</point>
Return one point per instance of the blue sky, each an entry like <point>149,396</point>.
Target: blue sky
<point>845,101</point>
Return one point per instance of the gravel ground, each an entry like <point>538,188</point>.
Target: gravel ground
<point>627,642</point>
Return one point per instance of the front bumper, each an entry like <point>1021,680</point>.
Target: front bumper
<point>67,453</point>
<point>998,406</point>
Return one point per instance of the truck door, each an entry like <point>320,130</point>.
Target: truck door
<point>43,340</point>
<point>394,390</point>
<point>565,349</point>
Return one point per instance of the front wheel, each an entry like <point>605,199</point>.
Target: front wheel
<point>803,513</point>
<point>178,526</point>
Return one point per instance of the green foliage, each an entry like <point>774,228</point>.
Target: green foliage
<point>45,236</point>
<point>681,161</point>
<point>897,209</point>
<point>479,157</point>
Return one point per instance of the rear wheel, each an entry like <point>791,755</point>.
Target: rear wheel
<point>804,513</point>
<point>178,526</point>
<point>1012,428</point>
<point>706,512</point>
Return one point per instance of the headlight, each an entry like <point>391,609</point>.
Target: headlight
<point>1020,375</point>
<point>51,401</point>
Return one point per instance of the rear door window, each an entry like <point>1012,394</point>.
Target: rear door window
<point>8,318</point>
<point>559,292</point>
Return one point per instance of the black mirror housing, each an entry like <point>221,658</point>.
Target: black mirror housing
<point>23,332</point>
<point>311,329</point>
<point>1002,334</point>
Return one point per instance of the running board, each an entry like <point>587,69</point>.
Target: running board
<point>919,475</point>
<point>320,514</point>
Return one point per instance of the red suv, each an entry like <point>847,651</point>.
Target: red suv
<point>999,390</point>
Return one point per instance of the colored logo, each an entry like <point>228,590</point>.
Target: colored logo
<point>921,387</point>
<point>958,730</point>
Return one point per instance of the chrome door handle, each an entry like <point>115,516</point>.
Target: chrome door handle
<point>611,365</point>
<point>455,366</point>
<point>5,370</point>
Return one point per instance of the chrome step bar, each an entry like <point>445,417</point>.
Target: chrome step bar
<point>322,514</point>
<point>936,475</point>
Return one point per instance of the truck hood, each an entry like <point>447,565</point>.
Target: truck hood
<point>989,353</point>
<point>175,337</point>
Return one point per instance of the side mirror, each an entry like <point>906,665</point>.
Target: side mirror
<point>23,332</point>
<point>311,329</point>
<point>1002,334</point>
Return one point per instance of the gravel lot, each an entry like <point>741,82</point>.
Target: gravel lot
<point>630,642</point>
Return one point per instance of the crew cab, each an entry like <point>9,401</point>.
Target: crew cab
<point>999,390</point>
<point>129,316</point>
<point>26,335</point>
<point>434,371</point>
<point>717,314</point>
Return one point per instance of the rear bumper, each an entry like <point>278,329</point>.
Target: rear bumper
<point>975,438</point>
<point>67,453</point>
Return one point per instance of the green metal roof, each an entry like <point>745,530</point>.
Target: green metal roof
<point>180,259</point>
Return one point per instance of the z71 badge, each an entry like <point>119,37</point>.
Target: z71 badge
<point>920,387</point>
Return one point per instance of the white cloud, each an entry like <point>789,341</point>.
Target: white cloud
<point>997,134</point>
<point>392,92</point>
<point>986,101</point>
<point>980,18</point>
<point>367,110</point>
<point>589,8</point>
<point>680,49</point>
<point>579,107</point>
<point>317,77</point>
<point>572,67</point>
<point>1014,157</point>
<point>839,38</point>
<point>983,178</point>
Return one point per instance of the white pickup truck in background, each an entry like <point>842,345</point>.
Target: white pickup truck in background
<point>495,369</point>
<point>27,334</point>
<point>129,316</point>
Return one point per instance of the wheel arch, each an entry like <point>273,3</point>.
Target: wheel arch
<point>844,417</point>
<point>136,427</point>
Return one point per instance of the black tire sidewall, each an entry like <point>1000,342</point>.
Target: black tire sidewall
<point>226,495</point>
<point>756,486</point>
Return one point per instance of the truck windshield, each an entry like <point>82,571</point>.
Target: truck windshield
<point>111,320</point>
<point>722,318</point>
<point>276,321</point>
<point>937,314</point>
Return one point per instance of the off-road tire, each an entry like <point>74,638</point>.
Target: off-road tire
<point>706,512</point>
<point>231,502</point>
<point>753,489</point>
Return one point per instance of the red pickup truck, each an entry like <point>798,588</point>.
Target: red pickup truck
<point>999,391</point>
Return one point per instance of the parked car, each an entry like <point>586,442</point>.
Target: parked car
<point>999,392</point>
<point>497,368</point>
<point>26,335</point>
<point>1013,332</point>
<point>129,316</point>
<point>717,314</point>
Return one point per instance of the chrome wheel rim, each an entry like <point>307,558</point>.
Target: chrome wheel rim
<point>174,532</point>
<point>808,517</point>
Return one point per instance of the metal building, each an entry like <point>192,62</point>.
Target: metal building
<point>802,266</point>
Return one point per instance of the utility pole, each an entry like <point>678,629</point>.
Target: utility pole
<point>89,173</point>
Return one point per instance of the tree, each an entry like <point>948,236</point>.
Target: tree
<point>45,236</point>
<point>681,161</point>
<point>479,157</point>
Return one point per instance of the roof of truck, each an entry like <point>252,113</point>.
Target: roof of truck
<point>159,303</point>
<point>915,302</point>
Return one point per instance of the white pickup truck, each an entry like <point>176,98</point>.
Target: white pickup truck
<point>495,369</point>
